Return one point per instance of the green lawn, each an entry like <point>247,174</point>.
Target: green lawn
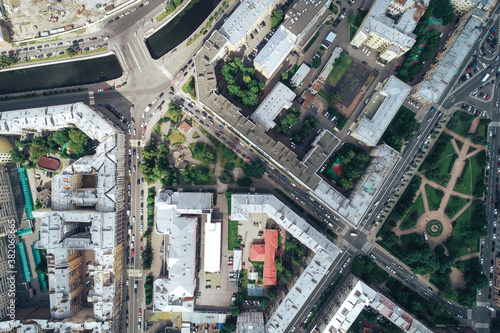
<point>411,217</point>
<point>198,150</point>
<point>189,87</point>
<point>198,169</point>
<point>460,123</point>
<point>176,138</point>
<point>412,241</point>
<point>311,42</point>
<point>434,197</point>
<point>360,17</point>
<point>459,243</point>
<point>482,129</point>
<point>454,205</point>
<point>472,177</point>
<point>232,239</point>
<point>352,32</point>
<point>227,158</point>
<point>339,70</point>
<point>444,159</point>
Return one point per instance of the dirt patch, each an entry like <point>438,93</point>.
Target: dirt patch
<point>31,17</point>
<point>474,125</point>
<point>457,279</point>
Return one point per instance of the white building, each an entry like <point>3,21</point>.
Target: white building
<point>388,27</point>
<point>300,75</point>
<point>213,246</point>
<point>177,216</point>
<point>279,98</point>
<point>242,205</point>
<point>250,322</point>
<point>82,217</point>
<point>245,17</point>
<point>275,52</point>
<point>362,296</point>
<point>378,113</point>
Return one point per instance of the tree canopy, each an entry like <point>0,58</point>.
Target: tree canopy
<point>255,170</point>
<point>241,81</point>
<point>290,118</point>
<point>277,17</point>
<point>402,128</point>
<point>18,156</point>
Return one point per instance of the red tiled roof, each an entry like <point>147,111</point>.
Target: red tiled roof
<point>185,127</point>
<point>271,245</point>
<point>257,252</point>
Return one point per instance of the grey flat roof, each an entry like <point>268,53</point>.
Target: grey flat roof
<point>279,98</point>
<point>243,18</point>
<point>302,14</point>
<point>275,51</point>
<point>369,131</point>
<point>300,75</point>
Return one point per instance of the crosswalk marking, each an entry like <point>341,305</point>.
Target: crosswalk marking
<point>91,97</point>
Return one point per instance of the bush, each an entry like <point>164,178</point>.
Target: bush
<point>276,18</point>
<point>246,181</point>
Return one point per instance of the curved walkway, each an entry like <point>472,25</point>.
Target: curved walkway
<point>440,214</point>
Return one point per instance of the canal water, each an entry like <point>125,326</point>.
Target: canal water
<point>60,75</point>
<point>180,27</point>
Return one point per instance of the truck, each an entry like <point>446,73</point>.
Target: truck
<point>425,236</point>
<point>128,212</point>
<point>485,77</point>
<point>147,108</point>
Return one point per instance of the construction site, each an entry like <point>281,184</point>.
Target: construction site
<point>28,19</point>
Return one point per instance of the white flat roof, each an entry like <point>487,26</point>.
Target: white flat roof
<point>213,244</point>
<point>243,18</point>
<point>275,51</point>
<point>279,98</point>
<point>369,131</point>
<point>300,75</point>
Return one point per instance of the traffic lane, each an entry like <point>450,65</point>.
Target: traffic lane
<point>327,280</point>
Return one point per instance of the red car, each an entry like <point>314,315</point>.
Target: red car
<point>118,86</point>
<point>468,70</point>
<point>248,160</point>
<point>290,67</point>
<point>145,128</point>
<point>141,239</point>
<point>141,249</point>
<point>11,51</point>
<point>132,252</point>
<point>234,148</point>
<point>237,140</point>
<point>89,262</point>
<point>324,112</point>
<point>140,311</point>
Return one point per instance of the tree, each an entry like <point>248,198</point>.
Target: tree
<point>284,76</point>
<point>334,98</point>
<point>177,3</point>
<point>445,11</point>
<point>17,156</point>
<point>245,181</point>
<point>41,268</point>
<point>78,141</point>
<point>38,149</point>
<point>170,7</point>
<point>70,52</point>
<point>316,61</point>
<point>38,204</point>
<point>208,157</point>
<point>6,61</point>
<point>255,170</point>
<point>229,327</point>
<point>276,18</point>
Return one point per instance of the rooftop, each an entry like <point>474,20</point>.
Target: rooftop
<point>274,52</point>
<point>394,20</point>
<point>213,245</point>
<point>433,87</point>
<point>185,127</point>
<point>279,98</point>
<point>303,14</point>
<point>250,322</point>
<point>176,217</point>
<point>360,296</point>
<point>369,129</point>
<point>243,18</point>
<point>354,208</point>
<point>300,75</point>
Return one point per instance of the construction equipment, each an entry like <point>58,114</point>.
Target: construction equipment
<point>81,10</point>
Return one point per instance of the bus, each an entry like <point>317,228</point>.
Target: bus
<point>485,77</point>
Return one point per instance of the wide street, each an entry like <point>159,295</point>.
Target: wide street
<point>147,79</point>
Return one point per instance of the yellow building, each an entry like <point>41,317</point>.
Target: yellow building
<point>5,148</point>
<point>388,28</point>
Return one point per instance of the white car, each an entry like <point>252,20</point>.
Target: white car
<point>154,101</point>
<point>100,90</point>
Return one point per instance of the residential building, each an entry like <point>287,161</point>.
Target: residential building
<point>325,252</point>
<point>280,98</point>
<point>244,19</point>
<point>388,27</point>
<point>87,213</point>
<point>496,286</point>
<point>449,62</point>
<point>303,16</point>
<point>354,297</point>
<point>270,58</point>
<point>464,6</point>
<point>250,322</point>
<point>184,126</point>
<point>300,75</point>
<point>7,216</point>
<point>177,216</point>
<point>378,113</point>
<point>354,209</point>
